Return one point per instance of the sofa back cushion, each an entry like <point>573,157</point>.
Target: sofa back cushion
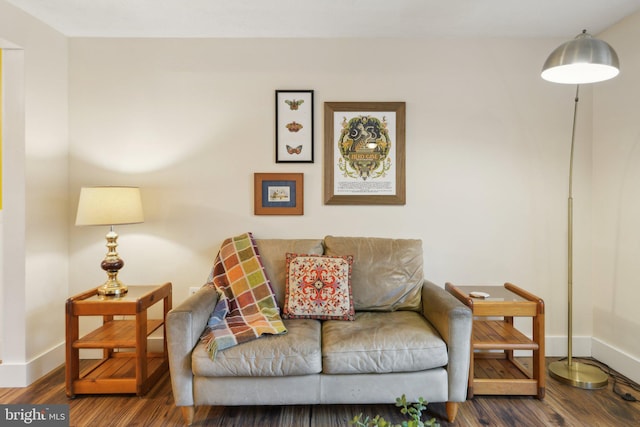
<point>387,274</point>
<point>273,253</point>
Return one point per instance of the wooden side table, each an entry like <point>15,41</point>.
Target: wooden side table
<point>126,366</point>
<point>495,340</point>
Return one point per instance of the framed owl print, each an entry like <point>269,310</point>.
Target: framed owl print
<point>364,153</point>
<point>294,126</point>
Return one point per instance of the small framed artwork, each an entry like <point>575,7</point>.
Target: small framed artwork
<point>278,194</point>
<point>364,153</point>
<point>294,126</point>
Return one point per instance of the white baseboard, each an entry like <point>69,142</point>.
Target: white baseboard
<point>25,373</point>
<point>622,362</point>
<point>557,346</point>
<point>617,359</point>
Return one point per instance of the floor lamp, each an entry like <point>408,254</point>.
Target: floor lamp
<point>578,61</point>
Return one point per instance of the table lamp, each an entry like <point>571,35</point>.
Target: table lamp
<point>582,60</point>
<point>110,206</point>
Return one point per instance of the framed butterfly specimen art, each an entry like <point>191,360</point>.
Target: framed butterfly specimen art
<point>294,126</point>
<point>278,194</point>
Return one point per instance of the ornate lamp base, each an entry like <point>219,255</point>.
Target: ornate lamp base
<point>578,374</point>
<point>112,288</point>
<point>112,264</point>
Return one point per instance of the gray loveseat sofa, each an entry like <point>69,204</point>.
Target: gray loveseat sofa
<point>409,337</point>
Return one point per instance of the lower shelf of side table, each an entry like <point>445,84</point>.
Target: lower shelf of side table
<point>496,375</point>
<point>117,374</point>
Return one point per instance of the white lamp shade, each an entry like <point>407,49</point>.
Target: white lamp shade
<point>109,206</point>
<point>581,60</point>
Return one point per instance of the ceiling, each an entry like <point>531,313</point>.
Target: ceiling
<point>328,18</point>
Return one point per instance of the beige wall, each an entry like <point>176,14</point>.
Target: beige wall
<point>190,121</point>
<point>35,217</point>
<point>616,207</point>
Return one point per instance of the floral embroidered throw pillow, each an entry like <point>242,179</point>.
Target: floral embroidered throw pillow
<point>318,287</point>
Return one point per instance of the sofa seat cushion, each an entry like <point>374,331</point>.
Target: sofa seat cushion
<point>381,342</point>
<point>295,353</point>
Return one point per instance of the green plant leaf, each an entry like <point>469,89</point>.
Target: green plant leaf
<point>414,411</point>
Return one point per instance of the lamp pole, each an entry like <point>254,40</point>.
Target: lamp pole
<point>574,373</point>
<point>570,232</point>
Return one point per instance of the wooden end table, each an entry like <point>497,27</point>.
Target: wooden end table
<point>494,340</point>
<point>126,366</point>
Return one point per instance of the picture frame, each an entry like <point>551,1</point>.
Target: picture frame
<point>364,153</point>
<point>278,193</point>
<point>294,126</point>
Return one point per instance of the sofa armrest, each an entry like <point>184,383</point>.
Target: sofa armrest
<point>453,321</point>
<point>185,324</point>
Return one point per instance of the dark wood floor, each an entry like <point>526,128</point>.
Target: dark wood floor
<point>563,406</point>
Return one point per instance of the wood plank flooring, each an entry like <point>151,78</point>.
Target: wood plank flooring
<point>562,406</point>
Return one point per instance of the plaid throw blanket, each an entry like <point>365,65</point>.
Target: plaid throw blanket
<point>247,306</point>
